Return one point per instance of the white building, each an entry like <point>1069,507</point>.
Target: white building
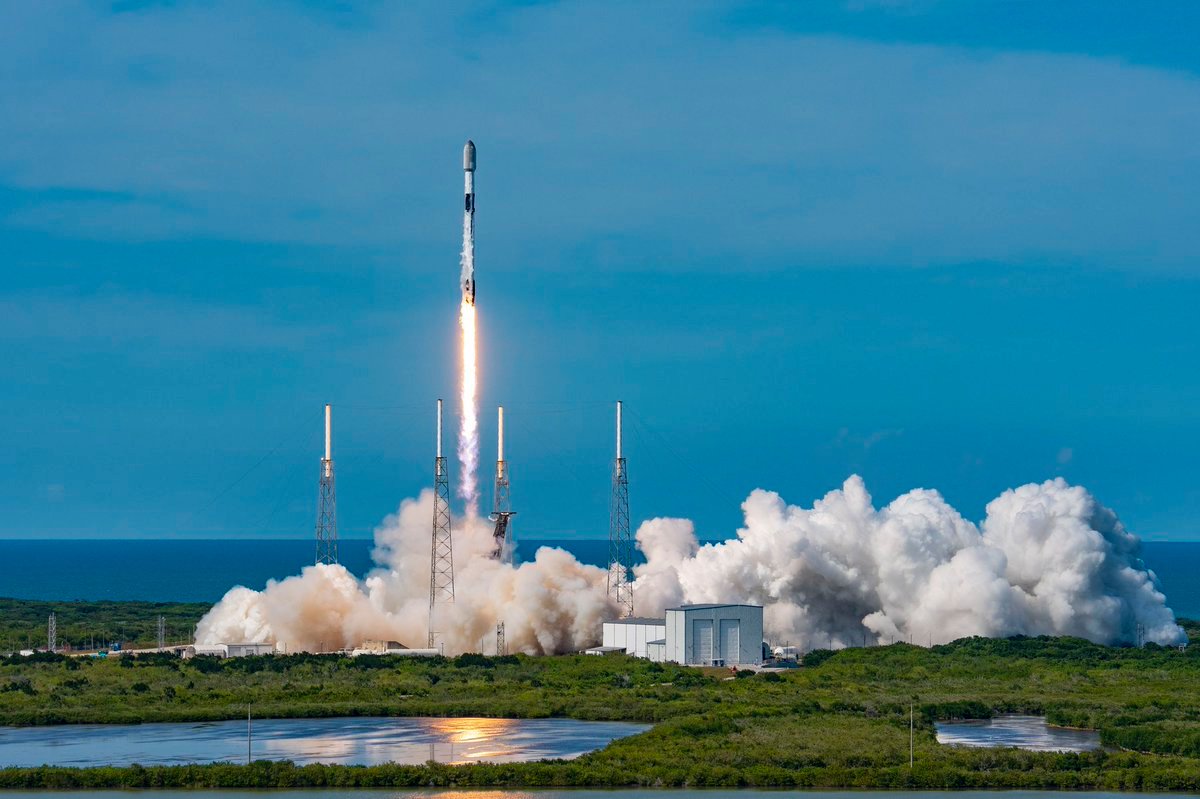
<point>714,635</point>
<point>236,650</point>
<point>633,635</point>
<point>692,635</point>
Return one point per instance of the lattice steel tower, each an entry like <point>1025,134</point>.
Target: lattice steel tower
<point>327,535</point>
<point>620,542</point>
<point>441,561</point>
<point>52,633</point>
<point>502,511</point>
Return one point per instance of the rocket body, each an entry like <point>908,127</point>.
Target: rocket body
<point>468,257</point>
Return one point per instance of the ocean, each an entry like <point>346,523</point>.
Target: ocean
<point>202,571</point>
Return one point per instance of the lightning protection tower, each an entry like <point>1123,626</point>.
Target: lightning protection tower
<point>162,633</point>
<point>52,633</point>
<point>502,511</point>
<point>620,542</point>
<point>327,535</point>
<point>501,646</point>
<point>441,561</point>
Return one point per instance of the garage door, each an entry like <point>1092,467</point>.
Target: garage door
<point>702,641</point>
<point>731,640</point>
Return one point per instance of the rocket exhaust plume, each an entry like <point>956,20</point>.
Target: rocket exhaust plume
<point>1048,559</point>
<point>468,435</point>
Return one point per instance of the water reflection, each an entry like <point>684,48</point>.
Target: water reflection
<point>356,741</point>
<point>467,740</point>
<point>1023,732</point>
<point>576,793</point>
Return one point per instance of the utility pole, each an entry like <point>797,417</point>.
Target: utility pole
<point>620,542</point>
<point>249,734</point>
<point>441,561</point>
<point>910,735</point>
<point>327,534</point>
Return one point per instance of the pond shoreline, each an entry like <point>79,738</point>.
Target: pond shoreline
<point>358,741</point>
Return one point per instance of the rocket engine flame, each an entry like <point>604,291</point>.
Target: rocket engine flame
<point>468,436</point>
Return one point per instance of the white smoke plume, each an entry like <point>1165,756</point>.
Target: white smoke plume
<point>551,604</point>
<point>1047,559</point>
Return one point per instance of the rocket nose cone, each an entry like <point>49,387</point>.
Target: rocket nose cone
<point>469,156</point>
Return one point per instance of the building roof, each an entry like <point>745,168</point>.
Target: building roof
<point>638,620</point>
<point>715,606</point>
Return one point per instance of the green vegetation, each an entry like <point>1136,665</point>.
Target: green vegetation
<point>840,720</point>
<point>80,624</point>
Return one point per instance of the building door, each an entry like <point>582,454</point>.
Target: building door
<point>702,641</point>
<point>731,641</point>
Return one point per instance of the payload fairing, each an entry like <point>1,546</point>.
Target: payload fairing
<point>468,277</point>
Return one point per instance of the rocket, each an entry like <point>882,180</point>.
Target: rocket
<point>468,276</point>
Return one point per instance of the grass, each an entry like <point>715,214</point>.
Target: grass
<point>80,624</point>
<point>839,721</point>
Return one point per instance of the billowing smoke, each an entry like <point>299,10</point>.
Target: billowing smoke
<point>1047,559</point>
<point>551,604</point>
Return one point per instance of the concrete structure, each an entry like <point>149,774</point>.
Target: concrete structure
<point>633,634</point>
<point>237,650</point>
<point>692,635</point>
<point>714,635</point>
<point>390,648</point>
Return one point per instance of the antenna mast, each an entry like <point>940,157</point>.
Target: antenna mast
<point>502,511</point>
<point>620,542</point>
<point>327,535</point>
<point>441,562</point>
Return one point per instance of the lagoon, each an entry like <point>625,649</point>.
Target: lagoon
<point>345,741</point>
<point>1023,732</point>
<point>628,793</point>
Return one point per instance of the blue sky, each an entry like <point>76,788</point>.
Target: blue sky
<point>944,245</point>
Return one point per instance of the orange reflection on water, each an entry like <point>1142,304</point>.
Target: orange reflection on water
<point>471,730</point>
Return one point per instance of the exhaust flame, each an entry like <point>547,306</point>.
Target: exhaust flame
<point>468,436</point>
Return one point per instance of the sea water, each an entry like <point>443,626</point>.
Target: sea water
<point>202,571</point>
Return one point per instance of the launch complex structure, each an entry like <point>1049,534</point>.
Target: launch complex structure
<point>441,561</point>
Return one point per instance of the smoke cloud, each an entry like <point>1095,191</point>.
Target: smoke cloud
<point>1047,559</point>
<point>550,604</point>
